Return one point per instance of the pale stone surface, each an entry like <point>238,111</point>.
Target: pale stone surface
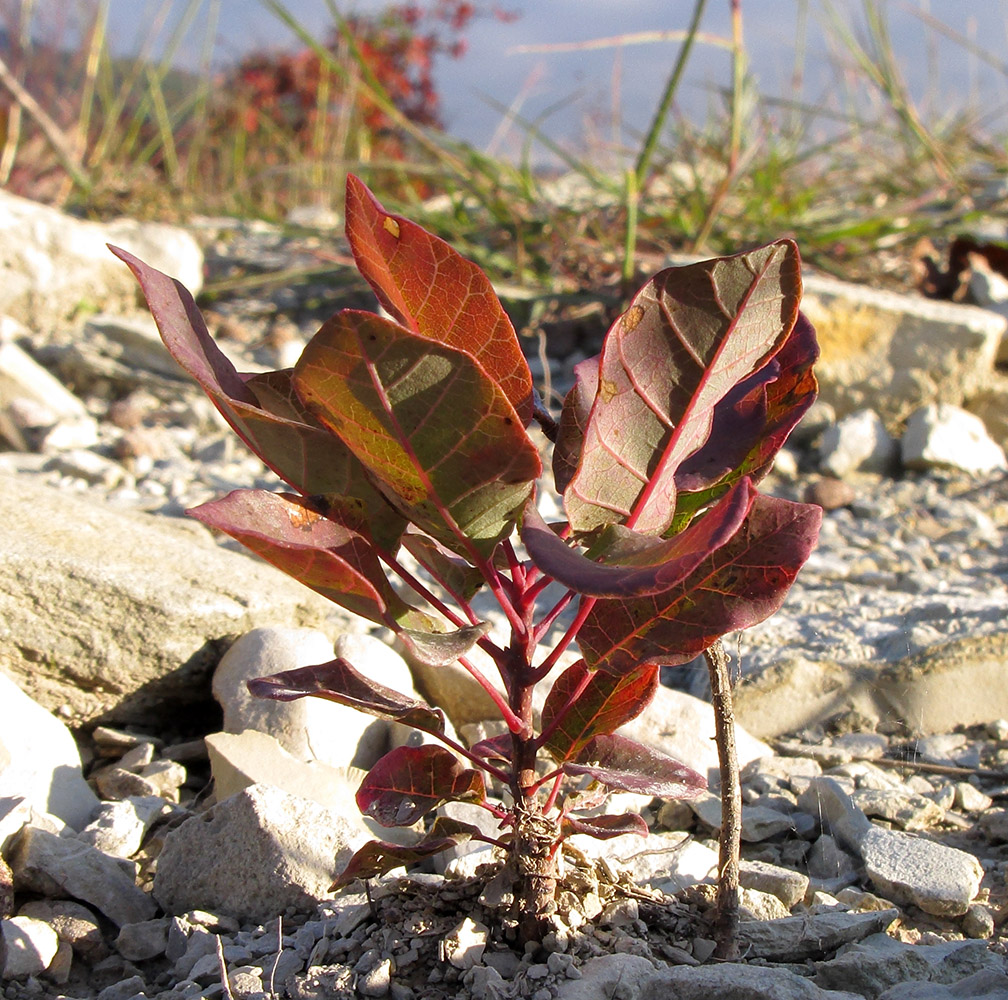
<point>88,623</point>
<point>118,828</point>
<point>254,854</point>
<point>893,353</point>
<point>939,879</point>
<point>464,944</point>
<point>787,885</point>
<point>33,402</point>
<point>730,981</point>
<point>54,265</point>
<point>238,760</point>
<point>62,866</point>
<point>27,946</point>
<point>39,760</point>
<point>986,985</point>
<point>858,442</point>
<point>947,437</point>
<point>879,962</point>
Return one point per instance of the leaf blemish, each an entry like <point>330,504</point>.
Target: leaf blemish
<point>390,226</point>
<point>607,389</point>
<point>302,518</point>
<point>632,317</point>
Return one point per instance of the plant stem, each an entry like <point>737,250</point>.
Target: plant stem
<point>727,912</point>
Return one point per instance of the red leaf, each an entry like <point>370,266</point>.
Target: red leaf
<point>690,335</point>
<point>339,681</point>
<point>410,781</point>
<point>454,574</point>
<point>434,291</point>
<point>605,827</point>
<point>656,566</point>
<point>260,408</point>
<point>377,857</point>
<point>495,748</point>
<point>437,435</point>
<point>738,585</point>
<point>625,765</point>
<point>325,548</point>
<point>599,704</point>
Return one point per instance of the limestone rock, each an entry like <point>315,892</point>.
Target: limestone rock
<point>732,981</point>
<point>119,827</point>
<point>39,760</point>
<point>939,879</point>
<point>62,866</point>
<point>947,437</point>
<point>88,624</point>
<point>53,265</point>
<point>75,924</point>
<point>987,985</point>
<point>238,760</point>
<point>893,353</point>
<point>254,854</point>
<point>872,966</point>
<point>858,442</point>
<point>34,403</point>
<point>601,978</point>
<point>27,946</point>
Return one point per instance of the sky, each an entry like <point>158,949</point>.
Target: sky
<point>583,92</point>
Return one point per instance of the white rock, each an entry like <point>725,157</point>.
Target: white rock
<point>893,353</point>
<point>857,443</point>
<point>119,827</point>
<point>734,981</point>
<point>32,401</point>
<point>52,264</point>
<point>601,978</point>
<point>254,854</point>
<point>464,945</point>
<point>39,760</point>
<point>238,760</point>
<point>985,985</point>
<point>948,437</point>
<point>62,866</point>
<point>939,879</point>
<point>27,946</point>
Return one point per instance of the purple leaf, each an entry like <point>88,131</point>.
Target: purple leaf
<point>340,682</point>
<point>625,765</point>
<point>690,335</point>
<point>738,585</point>
<point>597,703</point>
<point>605,827</point>
<point>378,857</point>
<point>325,548</point>
<point>456,575</point>
<point>437,435</point>
<point>410,781</point>
<point>754,420</point>
<point>656,566</point>
<point>495,748</point>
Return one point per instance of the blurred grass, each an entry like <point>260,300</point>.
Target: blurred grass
<point>110,135</point>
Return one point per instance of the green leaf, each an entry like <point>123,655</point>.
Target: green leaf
<point>438,436</point>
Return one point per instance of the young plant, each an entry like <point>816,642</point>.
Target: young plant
<point>407,435</point>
